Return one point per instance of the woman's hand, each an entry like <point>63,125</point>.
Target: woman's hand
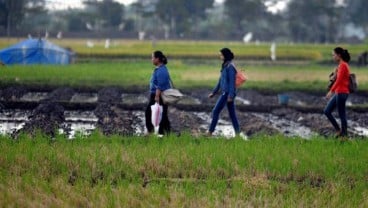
<point>329,95</point>
<point>211,95</point>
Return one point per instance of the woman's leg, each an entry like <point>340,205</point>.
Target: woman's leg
<point>148,114</point>
<point>341,108</point>
<point>164,127</point>
<point>232,114</point>
<point>331,105</point>
<point>221,102</point>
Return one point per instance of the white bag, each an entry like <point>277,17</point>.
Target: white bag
<point>171,96</point>
<point>156,114</point>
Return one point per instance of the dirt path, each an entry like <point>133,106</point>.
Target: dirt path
<point>116,111</point>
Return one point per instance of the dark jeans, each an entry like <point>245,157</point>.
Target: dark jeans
<point>164,127</point>
<point>339,101</point>
<point>221,102</point>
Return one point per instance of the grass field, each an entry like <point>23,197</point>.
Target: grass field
<point>99,171</point>
<point>121,48</point>
<point>182,172</point>
<point>186,75</point>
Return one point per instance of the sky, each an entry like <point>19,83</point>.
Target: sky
<point>64,4</point>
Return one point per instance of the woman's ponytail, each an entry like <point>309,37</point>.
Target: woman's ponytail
<point>344,54</point>
<point>160,56</point>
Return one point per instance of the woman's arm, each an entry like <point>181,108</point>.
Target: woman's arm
<point>231,72</point>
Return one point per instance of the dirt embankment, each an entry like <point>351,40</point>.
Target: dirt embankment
<point>257,112</point>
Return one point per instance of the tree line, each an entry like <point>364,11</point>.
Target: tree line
<point>326,21</point>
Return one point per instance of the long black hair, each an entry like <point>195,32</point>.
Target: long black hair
<point>160,56</point>
<point>344,54</point>
<point>228,55</point>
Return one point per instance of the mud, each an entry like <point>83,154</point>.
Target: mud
<point>121,111</point>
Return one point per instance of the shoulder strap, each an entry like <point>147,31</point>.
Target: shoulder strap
<point>171,82</point>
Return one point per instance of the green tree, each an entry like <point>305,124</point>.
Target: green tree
<point>13,13</point>
<point>245,15</point>
<point>106,13</point>
<point>182,16</point>
<point>314,20</point>
<point>357,12</point>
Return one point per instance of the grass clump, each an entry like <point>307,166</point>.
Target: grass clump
<point>132,171</point>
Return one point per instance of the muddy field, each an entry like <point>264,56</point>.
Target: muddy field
<point>121,111</point>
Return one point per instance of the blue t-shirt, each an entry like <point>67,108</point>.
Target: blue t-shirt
<point>160,79</point>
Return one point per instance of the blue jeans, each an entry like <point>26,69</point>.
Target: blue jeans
<point>221,102</point>
<point>339,101</point>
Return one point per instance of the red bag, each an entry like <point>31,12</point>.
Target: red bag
<point>240,78</point>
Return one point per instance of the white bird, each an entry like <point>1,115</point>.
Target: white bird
<point>90,44</point>
<point>89,26</point>
<point>141,35</point>
<point>107,43</point>
<point>59,35</point>
<point>273,51</point>
<point>248,37</point>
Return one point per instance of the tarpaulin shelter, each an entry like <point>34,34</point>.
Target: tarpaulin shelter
<point>35,51</point>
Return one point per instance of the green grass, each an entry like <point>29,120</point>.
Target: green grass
<point>121,48</point>
<point>186,75</point>
<point>117,171</point>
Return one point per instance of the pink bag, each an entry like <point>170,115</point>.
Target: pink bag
<point>156,116</point>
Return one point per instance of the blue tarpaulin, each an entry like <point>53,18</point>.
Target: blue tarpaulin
<point>35,51</point>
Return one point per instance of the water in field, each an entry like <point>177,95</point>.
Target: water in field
<point>78,122</point>
<point>83,122</point>
<point>287,127</point>
<point>34,96</point>
<point>223,128</point>
<point>84,98</point>
<point>242,100</point>
<point>12,120</point>
<point>133,98</point>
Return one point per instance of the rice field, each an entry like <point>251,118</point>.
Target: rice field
<point>186,75</point>
<point>120,48</point>
<point>185,171</point>
<point>182,171</point>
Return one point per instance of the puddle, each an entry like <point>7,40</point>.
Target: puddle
<point>186,100</point>
<point>12,120</point>
<point>223,128</point>
<point>139,126</point>
<point>77,128</point>
<point>361,131</point>
<point>78,123</point>
<point>134,98</point>
<point>287,127</point>
<point>84,98</point>
<point>242,100</point>
<point>8,128</point>
<point>356,128</point>
<point>34,96</point>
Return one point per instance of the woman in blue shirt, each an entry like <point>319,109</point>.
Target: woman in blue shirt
<point>160,81</point>
<point>226,84</point>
